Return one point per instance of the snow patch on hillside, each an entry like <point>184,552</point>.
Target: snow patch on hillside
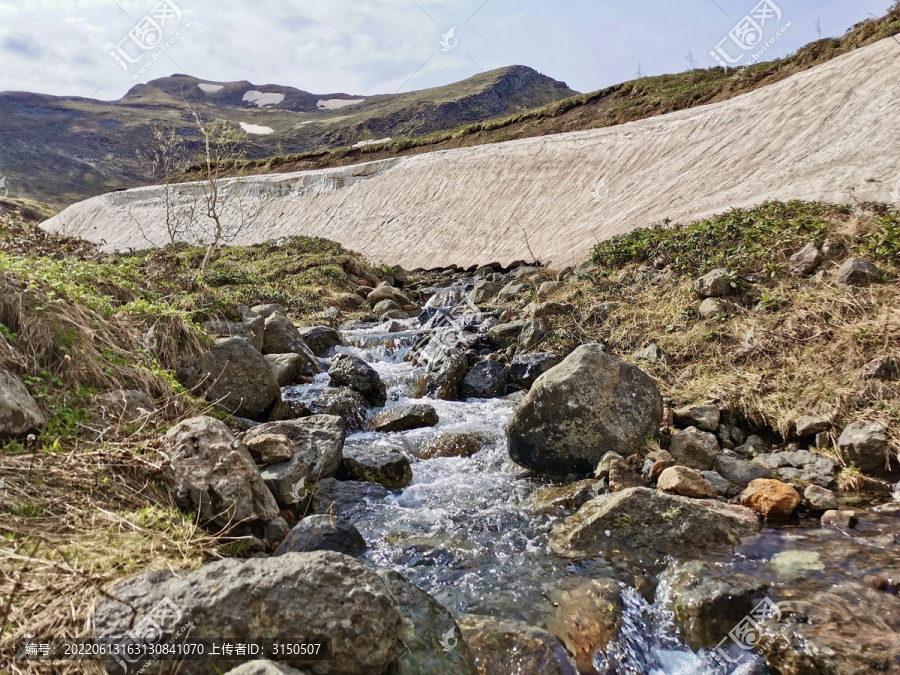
<point>211,88</point>
<point>256,129</point>
<point>335,103</point>
<point>262,100</point>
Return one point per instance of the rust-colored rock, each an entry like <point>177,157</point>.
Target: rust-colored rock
<point>771,498</point>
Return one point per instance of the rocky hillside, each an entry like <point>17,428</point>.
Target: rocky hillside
<point>92,144</point>
<point>702,423</point>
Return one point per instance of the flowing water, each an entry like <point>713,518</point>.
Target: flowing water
<point>463,530</point>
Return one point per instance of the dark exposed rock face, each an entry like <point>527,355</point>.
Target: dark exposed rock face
<point>390,469</point>
<point>590,404</point>
<point>320,339</point>
<point>404,417</point>
<point>323,533</point>
<point>527,368</point>
<point>486,379</point>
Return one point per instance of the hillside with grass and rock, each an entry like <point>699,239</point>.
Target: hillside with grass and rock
<point>632,453</point>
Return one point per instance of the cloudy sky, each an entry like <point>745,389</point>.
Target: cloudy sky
<point>369,47</point>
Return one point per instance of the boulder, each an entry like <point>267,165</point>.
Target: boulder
<point>504,335</point>
<point>842,520</point>
<point>234,376</point>
<point>404,418</point>
<point>384,307</point>
<point>284,411</point>
<point>511,290</point>
<point>486,379</point>
<point>646,524</point>
<point>323,533</point>
<point>270,448</point>
<point>533,333</point>
<point>501,647</point>
<point>865,446</point>
<point>429,639</point>
<point>540,310</point>
<point>20,414</point>
<point>800,465</point>
<point>858,272</point>
<point>549,288</point>
<point>716,284</point>
<point>349,405</point>
<point>211,473</point>
<point>805,261</point>
<point>443,378</point>
<point>459,444</point>
<point>601,312</point>
<point>819,499</point>
<point>390,469</point>
<point>561,500</point>
<point>807,426</point>
<point>712,308</point>
<point>251,329</point>
<point>282,337</point>
<point>719,483</point>
<point>738,470</point>
<point>320,339</point>
<point>345,499</point>
<point>353,372</point>
<point>326,595</point>
<point>287,368</point>
<point>386,292</point>
<point>686,482</point>
<point>652,352</point>
<point>581,409</point>
<point>772,499</point>
<point>694,449</point>
<point>265,311</point>
<point>586,618</point>
<point>484,292</point>
<point>622,476</point>
<point>705,417</point>
<point>707,600</point>
<point>127,405</point>
<point>526,368</point>
<point>318,442</point>
<point>603,466</point>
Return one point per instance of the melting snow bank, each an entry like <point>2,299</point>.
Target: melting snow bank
<point>256,129</point>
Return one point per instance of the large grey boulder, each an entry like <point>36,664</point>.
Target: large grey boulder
<point>858,272</point>
<point>404,417</point>
<point>286,368</point>
<point>503,335</point>
<point>211,473</point>
<point>323,595</point>
<point>282,337</point>
<point>345,499</point>
<point>738,470</point>
<point>428,630</point>
<point>527,368</point>
<point>694,449</point>
<point>317,441</point>
<point>19,412</point>
<point>865,446</point>
<point>504,647</point>
<point>484,291</point>
<point>251,329</point>
<point>443,377</point>
<point>347,404</point>
<point>715,284</point>
<point>390,469</point>
<point>641,523</point>
<point>704,417</point>
<point>576,412</point>
<point>486,379</point>
<point>320,339</point>
<point>234,376</point>
<point>351,371</point>
<point>323,533</point>
<point>386,292</point>
<point>800,465</point>
<point>806,260</point>
<point>127,405</point>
